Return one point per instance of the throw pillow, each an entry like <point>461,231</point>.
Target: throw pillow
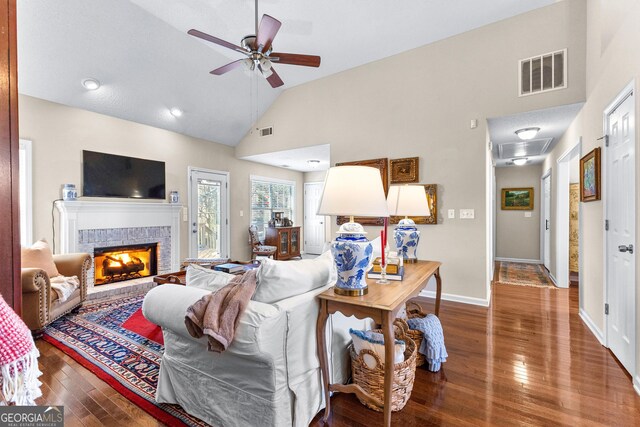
<point>375,341</point>
<point>207,279</point>
<point>39,255</point>
<point>278,280</point>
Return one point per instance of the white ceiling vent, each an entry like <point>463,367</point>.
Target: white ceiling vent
<point>543,73</point>
<point>533,147</point>
<point>268,131</point>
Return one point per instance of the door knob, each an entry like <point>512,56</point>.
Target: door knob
<point>194,231</point>
<point>623,248</point>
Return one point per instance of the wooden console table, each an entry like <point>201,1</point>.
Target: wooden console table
<point>381,303</point>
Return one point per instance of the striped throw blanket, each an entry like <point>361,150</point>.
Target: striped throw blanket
<point>433,343</point>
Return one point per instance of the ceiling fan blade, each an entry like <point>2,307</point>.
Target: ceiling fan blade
<point>226,68</point>
<point>267,31</point>
<point>274,79</point>
<point>212,39</point>
<point>295,59</point>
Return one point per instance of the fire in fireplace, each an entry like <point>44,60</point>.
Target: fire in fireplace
<point>119,263</point>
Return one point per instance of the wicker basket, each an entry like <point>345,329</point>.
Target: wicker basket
<point>372,380</point>
<point>416,336</point>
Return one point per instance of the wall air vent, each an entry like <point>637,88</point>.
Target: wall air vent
<point>543,73</point>
<point>268,131</point>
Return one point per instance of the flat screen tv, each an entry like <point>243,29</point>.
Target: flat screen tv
<point>110,175</point>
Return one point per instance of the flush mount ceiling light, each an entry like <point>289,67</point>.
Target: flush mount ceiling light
<point>519,161</point>
<point>313,163</point>
<point>175,112</point>
<point>527,133</point>
<point>91,84</point>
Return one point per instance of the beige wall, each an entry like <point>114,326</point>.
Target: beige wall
<point>518,236</point>
<point>60,133</point>
<point>419,103</point>
<point>613,61</point>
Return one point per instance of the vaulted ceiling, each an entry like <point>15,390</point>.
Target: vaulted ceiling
<point>146,63</point>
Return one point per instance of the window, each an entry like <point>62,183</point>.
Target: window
<point>270,195</point>
<point>25,193</point>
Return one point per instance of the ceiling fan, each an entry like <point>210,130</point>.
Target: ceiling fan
<point>259,51</point>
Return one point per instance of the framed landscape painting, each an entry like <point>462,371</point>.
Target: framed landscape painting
<point>590,176</point>
<point>518,199</point>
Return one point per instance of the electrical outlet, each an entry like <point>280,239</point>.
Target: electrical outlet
<point>467,213</point>
<point>452,213</point>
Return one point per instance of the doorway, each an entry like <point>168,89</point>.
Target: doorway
<point>620,213</point>
<point>561,221</point>
<point>208,214</point>
<point>314,225</point>
<point>546,220</point>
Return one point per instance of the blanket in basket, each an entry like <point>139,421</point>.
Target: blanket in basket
<point>433,343</point>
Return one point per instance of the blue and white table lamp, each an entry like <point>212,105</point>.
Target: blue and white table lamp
<point>407,200</point>
<point>352,191</point>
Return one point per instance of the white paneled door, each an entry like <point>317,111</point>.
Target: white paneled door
<point>621,245</point>
<point>546,189</point>
<point>314,225</point>
<point>208,214</point>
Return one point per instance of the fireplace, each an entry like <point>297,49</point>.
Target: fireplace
<point>120,263</point>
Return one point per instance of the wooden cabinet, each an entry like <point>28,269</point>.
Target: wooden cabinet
<point>286,239</point>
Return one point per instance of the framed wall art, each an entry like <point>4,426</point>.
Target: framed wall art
<point>518,199</point>
<point>431,193</point>
<point>405,170</point>
<point>590,176</point>
<point>381,165</point>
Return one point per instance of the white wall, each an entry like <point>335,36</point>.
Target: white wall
<point>419,103</point>
<point>613,60</point>
<point>60,133</point>
<point>518,236</point>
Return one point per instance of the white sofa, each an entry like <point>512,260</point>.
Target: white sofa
<point>269,375</point>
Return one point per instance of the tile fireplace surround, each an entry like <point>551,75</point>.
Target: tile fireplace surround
<point>85,225</point>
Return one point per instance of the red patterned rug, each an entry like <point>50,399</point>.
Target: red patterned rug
<point>521,274</point>
<point>114,341</point>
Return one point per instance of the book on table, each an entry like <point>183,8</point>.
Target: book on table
<point>375,275</point>
<point>393,265</point>
<point>229,267</point>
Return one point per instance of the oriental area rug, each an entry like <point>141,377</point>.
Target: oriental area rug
<point>114,341</point>
<point>521,274</point>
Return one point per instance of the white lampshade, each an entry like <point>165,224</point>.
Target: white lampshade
<point>353,190</point>
<point>408,200</point>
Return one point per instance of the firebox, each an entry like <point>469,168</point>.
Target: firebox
<point>119,263</point>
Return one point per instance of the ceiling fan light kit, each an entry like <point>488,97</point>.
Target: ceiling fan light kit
<point>259,51</point>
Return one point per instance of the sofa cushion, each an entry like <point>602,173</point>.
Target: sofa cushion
<point>206,278</point>
<point>39,255</point>
<point>278,280</point>
<point>375,341</point>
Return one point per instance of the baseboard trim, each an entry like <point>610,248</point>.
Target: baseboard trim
<point>553,279</point>
<point>592,326</point>
<point>458,298</point>
<point>636,384</point>
<point>522,260</point>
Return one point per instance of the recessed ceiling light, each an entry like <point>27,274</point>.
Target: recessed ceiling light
<point>527,133</point>
<point>175,112</point>
<point>519,161</point>
<point>91,84</point>
<point>313,163</point>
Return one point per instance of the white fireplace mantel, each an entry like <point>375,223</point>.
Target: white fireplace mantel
<point>86,215</point>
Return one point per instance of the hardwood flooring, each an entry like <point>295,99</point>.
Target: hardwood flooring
<point>526,360</point>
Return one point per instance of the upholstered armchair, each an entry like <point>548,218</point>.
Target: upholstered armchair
<point>40,303</point>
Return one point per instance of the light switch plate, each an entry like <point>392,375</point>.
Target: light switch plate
<point>452,213</point>
<point>467,213</point>
<point>527,214</point>
<point>241,213</point>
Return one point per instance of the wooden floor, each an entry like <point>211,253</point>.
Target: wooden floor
<point>526,360</point>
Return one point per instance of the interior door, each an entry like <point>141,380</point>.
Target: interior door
<point>621,245</point>
<point>314,228</point>
<point>208,214</point>
<point>546,189</point>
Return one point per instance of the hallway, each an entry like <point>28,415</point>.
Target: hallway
<point>526,360</point>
